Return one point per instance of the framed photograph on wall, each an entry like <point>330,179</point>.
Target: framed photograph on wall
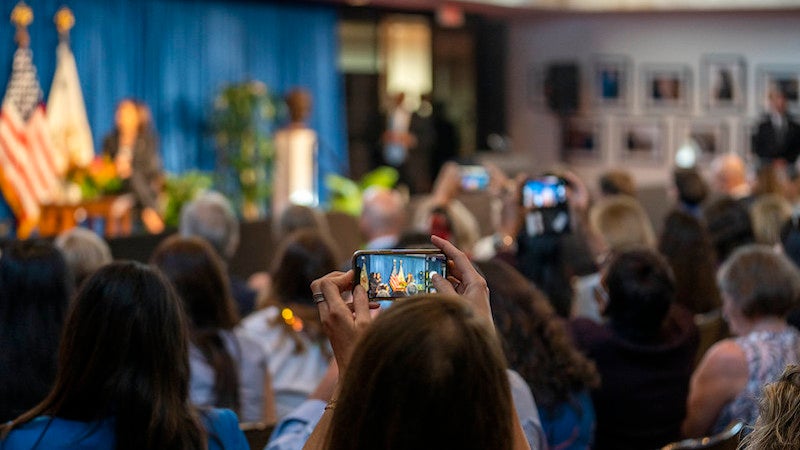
<point>534,83</point>
<point>642,140</point>
<point>784,77</point>
<point>611,81</point>
<point>722,83</point>
<point>584,140</point>
<point>667,87</point>
<point>709,137</point>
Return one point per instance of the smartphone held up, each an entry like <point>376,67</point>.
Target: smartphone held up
<point>544,200</point>
<point>392,274</point>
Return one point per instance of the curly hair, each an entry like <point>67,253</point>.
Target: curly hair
<point>534,339</point>
<point>778,424</point>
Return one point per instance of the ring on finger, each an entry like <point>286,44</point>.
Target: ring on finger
<point>318,297</point>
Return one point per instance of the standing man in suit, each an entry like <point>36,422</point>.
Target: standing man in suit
<point>777,139</point>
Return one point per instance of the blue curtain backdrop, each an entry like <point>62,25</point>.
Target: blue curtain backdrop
<point>176,54</point>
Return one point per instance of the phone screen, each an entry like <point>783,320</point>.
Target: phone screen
<point>546,209</point>
<point>474,178</point>
<point>392,274</point>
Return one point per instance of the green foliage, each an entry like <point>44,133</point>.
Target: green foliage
<point>345,194</point>
<point>181,189</point>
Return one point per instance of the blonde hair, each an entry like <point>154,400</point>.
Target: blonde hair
<point>768,214</point>
<point>622,223</point>
<point>778,424</point>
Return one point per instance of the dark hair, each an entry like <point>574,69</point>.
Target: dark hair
<point>790,239</point>
<point>687,246</point>
<point>760,281</point>
<point>641,289</point>
<point>535,340</point>
<point>196,272</point>
<point>728,223</point>
<point>541,260</point>
<point>616,182</point>
<point>35,287</point>
<point>124,354</point>
<point>428,373</point>
<point>692,188</point>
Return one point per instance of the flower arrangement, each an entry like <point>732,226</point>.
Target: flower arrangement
<point>243,121</point>
<point>97,179</point>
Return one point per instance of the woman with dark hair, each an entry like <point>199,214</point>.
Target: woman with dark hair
<point>759,287</point>
<point>428,373</point>
<point>228,368</point>
<point>644,353</point>
<point>537,346</point>
<point>687,246</point>
<point>35,287</point>
<point>288,327</point>
<point>123,374</point>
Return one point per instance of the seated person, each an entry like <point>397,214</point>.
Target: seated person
<point>776,427</point>
<point>84,251</point>
<point>759,287</point>
<point>123,374</point>
<point>644,352</point>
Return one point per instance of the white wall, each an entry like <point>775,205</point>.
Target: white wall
<point>761,38</point>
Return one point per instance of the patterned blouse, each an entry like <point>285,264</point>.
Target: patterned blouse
<point>767,354</point>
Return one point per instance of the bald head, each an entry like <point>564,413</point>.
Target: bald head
<point>730,173</point>
<point>383,213</point>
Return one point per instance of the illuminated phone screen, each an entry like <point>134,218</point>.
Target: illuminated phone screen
<point>387,276</point>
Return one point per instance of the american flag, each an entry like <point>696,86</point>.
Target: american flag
<point>30,167</point>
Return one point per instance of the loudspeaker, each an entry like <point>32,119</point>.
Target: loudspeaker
<point>561,88</point>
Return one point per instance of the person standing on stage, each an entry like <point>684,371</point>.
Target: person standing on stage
<point>777,139</point>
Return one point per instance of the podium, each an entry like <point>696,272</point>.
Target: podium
<point>94,214</point>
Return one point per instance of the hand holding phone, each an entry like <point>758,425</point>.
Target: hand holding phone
<point>546,208</point>
<point>392,274</point>
<point>474,178</point>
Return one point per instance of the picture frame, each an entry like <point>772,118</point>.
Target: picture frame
<point>583,141</point>
<point>784,76</point>
<point>642,140</point>
<point>710,137</point>
<point>534,84</point>
<point>723,81</point>
<point>666,87</point>
<point>611,81</point>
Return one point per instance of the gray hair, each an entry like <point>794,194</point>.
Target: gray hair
<point>211,217</point>
<point>84,252</point>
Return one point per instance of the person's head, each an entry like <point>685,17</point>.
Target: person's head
<point>127,117</point>
<point>35,288</point>
<point>301,258</point>
<point>777,100</point>
<point>124,353</point>
<point>211,217</point>
<point>622,222</point>
<point>84,252</point>
<point>298,217</point>
<point>729,225</point>
<point>768,214</point>
<point>534,339</point>
<point>428,373</point>
<point>687,246</point>
<point>383,213</point>
<point>299,102</point>
<point>729,173</point>
<point>616,182</point>
<point>778,424</point>
<point>640,289</point>
<point>690,186</point>
<point>757,282</point>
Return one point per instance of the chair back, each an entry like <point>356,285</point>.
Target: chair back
<point>727,439</point>
<point>257,434</point>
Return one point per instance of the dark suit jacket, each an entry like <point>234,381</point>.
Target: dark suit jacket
<point>766,145</point>
<point>145,167</point>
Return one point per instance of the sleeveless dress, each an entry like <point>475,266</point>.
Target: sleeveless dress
<point>767,354</point>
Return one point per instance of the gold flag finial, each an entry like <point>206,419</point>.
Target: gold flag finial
<point>64,20</point>
<point>21,17</point>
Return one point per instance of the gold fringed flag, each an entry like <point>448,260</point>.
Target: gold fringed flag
<point>31,169</point>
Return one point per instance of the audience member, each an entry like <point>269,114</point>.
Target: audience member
<point>211,217</point>
<point>768,213</point>
<point>382,218</point>
<point>537,346</point>
<point>691,190</point>
<point>728,223</point>
<point>426,367</point>
<point>759,286</point>
<point>617,182</point>
<point>778,426</point>
<point>288,327</point>
<point>299,217</point>
<point>622,223</point>
<point>644,353</point>
<point>790,245</point>
<point>228,368</point>
<point>123,374</point>
<point>729,176</point>
<point>35,287</point>
<point>84,252</point>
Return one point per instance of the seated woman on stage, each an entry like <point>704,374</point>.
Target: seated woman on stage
<point>123,374</point>
<point>133,148</point>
